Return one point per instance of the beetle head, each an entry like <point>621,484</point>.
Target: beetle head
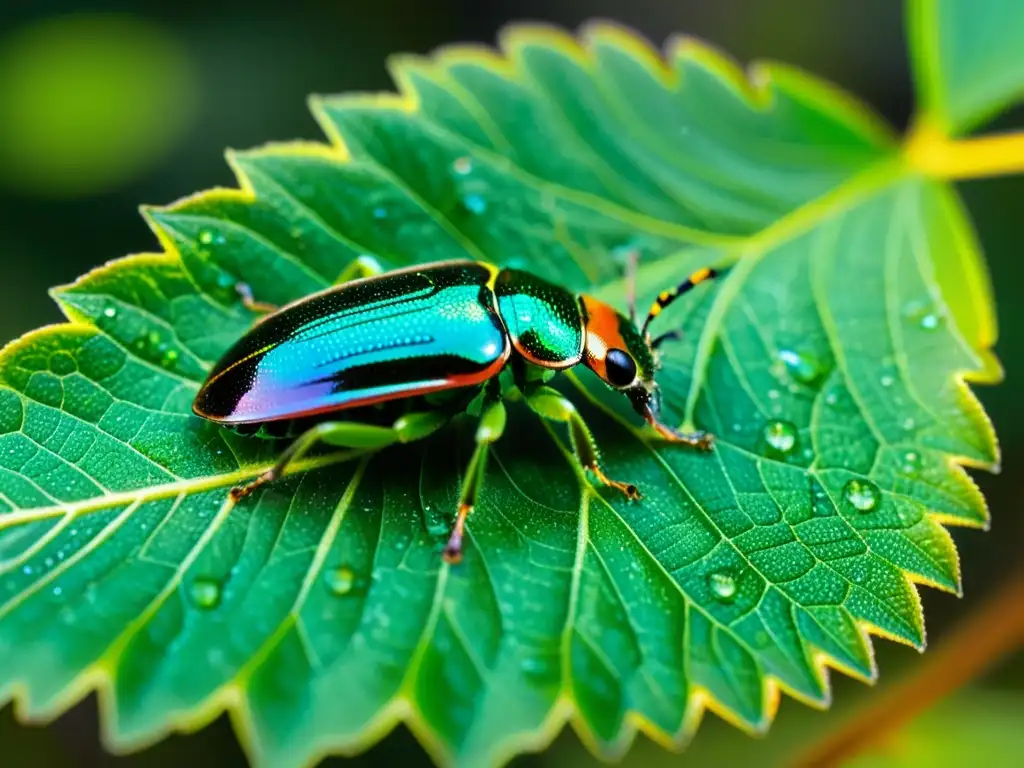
<point>620,355</point>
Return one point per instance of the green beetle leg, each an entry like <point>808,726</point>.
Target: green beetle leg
<point>551,404</point>
<point>348,434</point>
<point>364,266</point>
<point>490,428</point>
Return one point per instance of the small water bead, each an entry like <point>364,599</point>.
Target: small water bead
<point>773,394</point>
<point>887,380</point>
<point>169,358</point>
<point>205,236</point>
<point>924,314</point>
<point>462,166</point>
<point>908,423</point>
<point>802,365</point>
<point>110,312</point>
<point>863,495</point>
<point>205,593</point>
<point>538,666</point>
<point>340,581</point>
<point>780,436</point>
<point>474,204</point>
<point>911,463</point>
<point>723,586</point>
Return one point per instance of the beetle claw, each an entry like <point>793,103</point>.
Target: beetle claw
<point>453,549</point>
<point>628,490</point>
<point>239,492</point>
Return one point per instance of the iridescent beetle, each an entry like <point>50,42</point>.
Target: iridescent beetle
<point>436,337</point>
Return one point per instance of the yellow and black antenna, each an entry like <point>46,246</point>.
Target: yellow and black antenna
<point>665,298</point>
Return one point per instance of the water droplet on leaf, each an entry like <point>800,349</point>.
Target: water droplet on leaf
<point>802,365</point>
<point>780,436</point>
<point>862,495</point>
<point>930,321</point>
<point>205,593</point>
<point>536,666</point>
<point>474,204</point>
<point>722,586</point>
<point>110,312</point>
<point>205,236</point>
<point>340,581</point>
<point>911,463</point>
<point>462,166</point>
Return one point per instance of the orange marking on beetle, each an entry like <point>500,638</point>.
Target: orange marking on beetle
<point>601,334</point>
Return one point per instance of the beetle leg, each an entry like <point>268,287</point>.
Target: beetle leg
<point>490,428</point>
<point>551,404</point>
<point>249,301</point>
<point>702,440</point>
<point>362,267</point>
<point>348,434</point>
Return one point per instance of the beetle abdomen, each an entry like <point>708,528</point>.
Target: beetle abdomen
<point>544,320</point>
<point>398,335</point>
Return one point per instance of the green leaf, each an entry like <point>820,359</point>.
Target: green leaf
<point>829,363</point>
<point>966,60</point>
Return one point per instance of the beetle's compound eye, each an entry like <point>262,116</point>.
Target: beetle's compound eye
<point>620,368</point>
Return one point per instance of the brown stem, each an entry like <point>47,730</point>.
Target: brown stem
<point>990,632</point>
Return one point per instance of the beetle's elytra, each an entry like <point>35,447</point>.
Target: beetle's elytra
<point>450,327</point>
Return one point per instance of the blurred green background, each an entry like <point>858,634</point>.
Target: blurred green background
<point>106,105</point>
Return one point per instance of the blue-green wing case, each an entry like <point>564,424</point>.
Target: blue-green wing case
<point>397,335</point>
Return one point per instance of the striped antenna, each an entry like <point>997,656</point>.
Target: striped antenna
<point>665,298</point>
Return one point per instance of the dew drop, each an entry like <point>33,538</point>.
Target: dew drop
<point>110,312</point>
<point>536,666</point>
<point>722,586</point>
<point>780,436</point>
<point>205,236</point>
<point>169,358</point>
<point>340,581</point>
<point>773,394</point>
<point>205,593</point>
<point>474,204</point>
<point>887,380</point>
<point>462,166</point>
<point>57,591</point>
<point>924,314</point>
<point>908,423</point>
<point>862,494</point>
<point>802,365</point>
<point>27,570</point>
<point>831,398</point>
<point>911,463</point>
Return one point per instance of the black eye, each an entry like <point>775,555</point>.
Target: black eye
<point>620,367</point>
